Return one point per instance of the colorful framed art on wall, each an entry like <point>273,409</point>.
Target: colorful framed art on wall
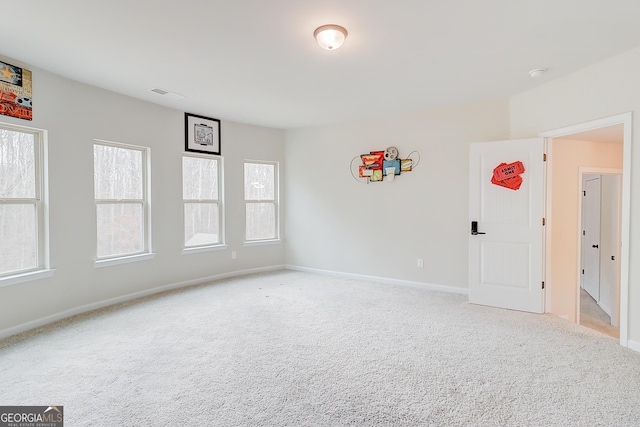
<point>15,92</point>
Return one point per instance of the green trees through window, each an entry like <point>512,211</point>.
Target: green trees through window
<point>21,208</point>
<point>261,196</point>
<point>120,186</point>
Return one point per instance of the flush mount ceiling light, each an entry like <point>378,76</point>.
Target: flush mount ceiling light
<point>330,37</point>
<point>537,72</point>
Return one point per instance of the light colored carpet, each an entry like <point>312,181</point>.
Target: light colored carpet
<point>296,349</point>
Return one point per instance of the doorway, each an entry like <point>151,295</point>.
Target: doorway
<point>600,250</point>
<point>564,246</point>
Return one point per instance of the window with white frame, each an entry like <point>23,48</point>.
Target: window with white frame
<point>121,196</point>
<point>201,198</point>
<point>261,200</point>
<point>22,200</point>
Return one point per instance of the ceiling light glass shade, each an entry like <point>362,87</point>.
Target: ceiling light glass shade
<point>330,37</point>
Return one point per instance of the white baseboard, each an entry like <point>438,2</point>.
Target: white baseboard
<point>384,280</point>
<point>106,303</point>
<point>633,345</point>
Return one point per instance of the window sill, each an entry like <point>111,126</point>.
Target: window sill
<point>123,260</point>
<point>197,249</point>
<point>26,277</point>
<point>263,242</point>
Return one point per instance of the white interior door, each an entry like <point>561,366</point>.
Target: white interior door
<point>591,237</point>
<point>506,263</point>
<point>610,245</point>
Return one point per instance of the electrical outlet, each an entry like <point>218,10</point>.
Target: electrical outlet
<point>233,255</point>
<point>420,263</point>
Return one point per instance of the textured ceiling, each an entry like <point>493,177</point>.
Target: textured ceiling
<point>257,62</point>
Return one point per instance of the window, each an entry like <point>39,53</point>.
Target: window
<point>22,201</point>
<point>120,184</point>
<point>201,199</point>
<point>261,200</point>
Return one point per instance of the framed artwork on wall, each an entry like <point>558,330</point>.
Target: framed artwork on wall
<point>202,134</point>
<point>15,92</point>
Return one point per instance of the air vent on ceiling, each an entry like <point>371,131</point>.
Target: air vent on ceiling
<point>159,91</point>
<point>166,93</point>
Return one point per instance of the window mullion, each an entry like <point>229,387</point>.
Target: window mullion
<point>24,201</point>
<point>117,201</point>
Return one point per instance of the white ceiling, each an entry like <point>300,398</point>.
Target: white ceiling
<point>255,61</point>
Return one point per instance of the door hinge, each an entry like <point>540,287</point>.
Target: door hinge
<point>582,271</point>
<point>543,285</point>
<point>544,157</point>
<point>584,193</point>
<point>583,233</point>
<point>544,222</point>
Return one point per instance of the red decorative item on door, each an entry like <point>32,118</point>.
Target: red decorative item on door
<point>508,175</point>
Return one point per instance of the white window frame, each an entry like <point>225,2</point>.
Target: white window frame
<point>146,252</point>
<point>275,201</point>
<point>219,202</point>
<point>41,203</point>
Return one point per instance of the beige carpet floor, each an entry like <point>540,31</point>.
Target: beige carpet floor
<point>297,349</point>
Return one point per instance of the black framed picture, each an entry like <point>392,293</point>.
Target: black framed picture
<point>202,134</point>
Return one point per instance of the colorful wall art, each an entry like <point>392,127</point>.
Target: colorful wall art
<point>15,92</point>
<point>508,175</point>
<point>377,166</point>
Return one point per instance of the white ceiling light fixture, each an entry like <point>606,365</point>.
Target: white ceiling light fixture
<point>537,72</point>
<point>331,36</point>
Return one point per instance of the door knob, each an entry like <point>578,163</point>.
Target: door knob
<point>594,246</point>
<point>474,228</point>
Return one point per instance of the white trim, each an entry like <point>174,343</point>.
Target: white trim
<point>123,260</point>
<point>634,345</point>
<point>546,209</point>
<point>262,242</point>
<point>45,200</point>
<point>115,144</point>
<point>26,277</point>
<point>112,301</point>
<point>383,280</point>
<point>548,173</point>
<point>626,119</point>
<point>197,249</point>
<point>591,125</point>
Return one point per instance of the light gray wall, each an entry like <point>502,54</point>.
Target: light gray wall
<point>75,114</point>
<point>335,223</point>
